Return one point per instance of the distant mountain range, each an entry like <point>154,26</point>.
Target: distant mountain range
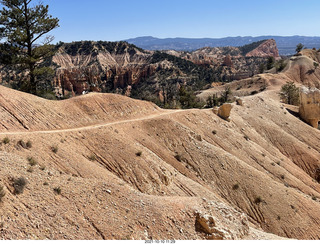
<point>286,44</point>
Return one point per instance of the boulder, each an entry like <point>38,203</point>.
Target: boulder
<point>215,110</point>
<point>309,109</point>
<point>224,111</point>
<point>206,224</point>
<point>239,101</point>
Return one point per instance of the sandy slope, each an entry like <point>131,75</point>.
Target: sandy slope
<point>253,175</point>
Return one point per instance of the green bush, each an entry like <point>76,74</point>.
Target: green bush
<point>290,94</point>
<point>32,161</point>
<point>6,140</point>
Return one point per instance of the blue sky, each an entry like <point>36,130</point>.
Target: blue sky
<point>112,20</point>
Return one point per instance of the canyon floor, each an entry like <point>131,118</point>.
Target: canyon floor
<point>104,166</point>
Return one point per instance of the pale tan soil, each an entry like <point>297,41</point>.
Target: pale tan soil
<point>254,175</point>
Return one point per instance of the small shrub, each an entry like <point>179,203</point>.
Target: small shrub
<point>32,161</point>
<point>6,140</point>
<point>247,138</point>
<point>314,198</point>
<point>235,186</point>
<point>22,144</point>
<point>42,167</point>
<point>282,177</point>
<point>178,157</point>
<point>2,193</point>
<point>54,149</point>
<point>258,200</point>
<point>19,185</point>
<point>214,132</point>
<point>45,183</point>
<point>138,154</point>
<point>92,157</point>
<point>57,190</point>
<point>278,218</point>
<point>29,144</point>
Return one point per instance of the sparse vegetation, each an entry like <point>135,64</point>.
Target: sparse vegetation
<point>19,185</point>
<point>57,190</point>
<point>258,200</point>
<point>22,144</point>
<point>6,140</point>
<point>32,161</point>
<point>187,99</point>
<point>299,47</point>
<point>214,132</point>
<point>29,144</point>
<point>280,65</point>
<point>236,186</point>
<point>2,193</point>
<point>92,157</point>
<point>45,183</point>
<point>54,149</point>
<point>138,154</point>
<point>290,93</point>
<point>25,145</point>
<point>270,63</point>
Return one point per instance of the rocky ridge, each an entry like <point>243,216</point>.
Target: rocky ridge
<point>125,69</point>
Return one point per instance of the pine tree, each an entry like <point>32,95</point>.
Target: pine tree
<point>299,47</point>
<point>290,93</point>
<point>24,25</point>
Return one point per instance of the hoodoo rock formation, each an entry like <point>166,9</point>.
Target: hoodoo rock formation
<point>310,106</point>
<point>86,66</point>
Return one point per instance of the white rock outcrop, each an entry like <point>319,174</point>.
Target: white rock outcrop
<point>309,109</point>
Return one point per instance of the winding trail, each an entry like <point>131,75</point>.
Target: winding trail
<point>96,126</point>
